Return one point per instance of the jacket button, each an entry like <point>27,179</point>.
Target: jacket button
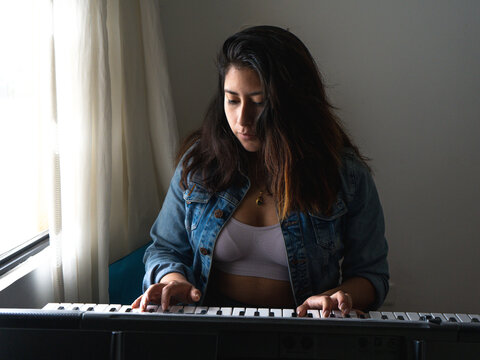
<point>203,251</point>
<point>218,213</point>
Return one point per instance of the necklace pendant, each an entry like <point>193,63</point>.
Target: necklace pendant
<point>259,200</point>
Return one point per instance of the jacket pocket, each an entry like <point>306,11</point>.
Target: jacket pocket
<point>196,199</point>
<point>327,228</point>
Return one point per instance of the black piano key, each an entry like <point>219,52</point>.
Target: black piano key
<point>332,315</point>
<point>452,319</point>
<point>475,320</point>
<point>203,312</point>
<point>128,310</point>
<point>256,313</point>
<point>400,317</point>
<point>294,314</point>
<point>219,312</point>
<point>384,317</point>
<point>347,316</point>
<point>151,310</point>
<point>76,308</point>
<point>271,314</point>
<point>61,308</point>
<point>361,316</point>
<point>241,313</point>
<point>90,308</point>
<point>113,309</point>
<point>310,315</point>
<point>180,311</point>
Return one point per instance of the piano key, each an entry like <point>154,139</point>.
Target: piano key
<point>237,311</point>
<point>401,316</point>
<point>439,316</point>
<point>389,315</point>
<point>176,309</point>
<point>451,317</point>
<point>151,308</point>
<point>413,316</point>
<point>226,311</point>
<point>214,311</point>
<point>376,315</point>
<point>201,310</point>
<point>250,311</point>
<point>126,309</point>
<point>51,306</point>
<point>337,313</point>
<point>315,313</point>
<point>464,318</point>
<point>88,307</point>
<point>288,313</point>
<point>263,312</point>
<point>474,317</point>
<point>276,313</point>
<point>189,309</point>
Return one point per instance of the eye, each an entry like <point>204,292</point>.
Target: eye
<point>259,103</point>
<point>231,101</point>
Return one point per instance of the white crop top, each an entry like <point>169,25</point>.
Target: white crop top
<point>247,250</point>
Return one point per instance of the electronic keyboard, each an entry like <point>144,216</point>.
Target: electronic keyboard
<point>109,331</point>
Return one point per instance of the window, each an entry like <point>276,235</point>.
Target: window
<point>23,211</point>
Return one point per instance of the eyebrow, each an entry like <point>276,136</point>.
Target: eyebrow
<point>250,94</point>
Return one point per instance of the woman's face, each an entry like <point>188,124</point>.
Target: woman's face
<point>243,104</point>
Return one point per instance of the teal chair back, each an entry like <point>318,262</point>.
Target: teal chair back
<point>126,276</point>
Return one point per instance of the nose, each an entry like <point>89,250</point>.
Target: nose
<point>247,115</point>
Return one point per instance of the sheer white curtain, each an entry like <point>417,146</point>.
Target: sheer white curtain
<point>114,136</point>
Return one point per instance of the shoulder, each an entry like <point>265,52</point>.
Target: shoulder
<point>354,173</point>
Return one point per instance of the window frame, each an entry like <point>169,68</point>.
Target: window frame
<point>14,257</point>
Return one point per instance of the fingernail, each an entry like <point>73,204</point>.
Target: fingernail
<point>343,306</point>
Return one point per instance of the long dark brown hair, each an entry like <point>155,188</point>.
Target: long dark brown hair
<point>302,139</point>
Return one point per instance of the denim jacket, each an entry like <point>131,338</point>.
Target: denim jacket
<point>322,250</point>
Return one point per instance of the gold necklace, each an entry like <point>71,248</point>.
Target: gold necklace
<point>259,200</point>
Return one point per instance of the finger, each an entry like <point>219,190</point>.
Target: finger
<point>345,302</point>
<point>328,303</point>
<point>166,296</point>
<point>195,294</point>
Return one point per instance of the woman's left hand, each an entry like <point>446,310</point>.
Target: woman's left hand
<point>339,300</point>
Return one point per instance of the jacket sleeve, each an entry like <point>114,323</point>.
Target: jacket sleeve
<point>171,250</point>
<point>365,244</point>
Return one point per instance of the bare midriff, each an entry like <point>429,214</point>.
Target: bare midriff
<point>253,290</point>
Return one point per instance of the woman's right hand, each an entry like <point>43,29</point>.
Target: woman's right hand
<point>168,293</point>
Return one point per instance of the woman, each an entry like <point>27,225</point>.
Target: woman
<point>271,204</point>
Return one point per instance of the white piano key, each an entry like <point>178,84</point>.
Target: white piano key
<point>353,314</point>
<point>100,307</point>
<point>113,307</point>
<point>450,317</point>
<point>51,306</point>
<point>288,313</point>
<point>213,310</point>
<point>189,309</point>
<point>126,309</point>
<point>474,317</point>
<point>176,309</point>
<point>389,315</point>
<point>278,313</point>
<point>401,316</point>
<point>151,308</point>
<point>263,312</point>
<point>337,313</point>
<point>88,307</point>
<point>237,311</point>
<point>439,315</point>
<point>464,318</point>
<point>413,316</point>
<point>315,313</point>
<point>250,311</point>
<point>226,311</point>
<point>201,310</point>
<point>377,315</point>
